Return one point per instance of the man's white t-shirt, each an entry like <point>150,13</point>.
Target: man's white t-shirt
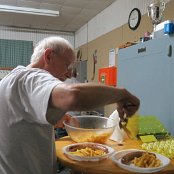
<point>71,80</point>
<point>26,137</point>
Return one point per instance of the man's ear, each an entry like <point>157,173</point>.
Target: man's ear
<point>48,55</point>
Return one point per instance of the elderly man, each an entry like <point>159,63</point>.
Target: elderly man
<point>34,98</point>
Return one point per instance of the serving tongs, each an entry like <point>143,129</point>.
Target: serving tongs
<point>130,125</point>
<point>123,123</point>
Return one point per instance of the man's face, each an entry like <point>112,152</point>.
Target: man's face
<point>60,64</point>
<point>69,73</point>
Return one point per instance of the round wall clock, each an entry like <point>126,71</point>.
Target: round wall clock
<point>134,19</point>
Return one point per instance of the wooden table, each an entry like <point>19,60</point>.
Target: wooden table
<point>101,167</point>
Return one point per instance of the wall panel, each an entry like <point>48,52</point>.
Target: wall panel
<point>32,34</point>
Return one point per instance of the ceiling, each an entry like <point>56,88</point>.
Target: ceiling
<point>73,13</point>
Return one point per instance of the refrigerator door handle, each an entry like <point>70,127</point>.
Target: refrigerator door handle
<point>141,50</point>
<point>169,50</point>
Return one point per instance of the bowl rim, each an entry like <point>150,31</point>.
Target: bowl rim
<point>94,116</point>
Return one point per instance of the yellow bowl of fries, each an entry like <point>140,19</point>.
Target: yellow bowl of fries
<point>89,128</point>
<point>87,151</point>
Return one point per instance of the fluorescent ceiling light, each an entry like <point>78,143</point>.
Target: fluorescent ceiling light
<point>25,10</point>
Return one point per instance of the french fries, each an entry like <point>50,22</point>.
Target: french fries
<point>91,137</point>
<point>88,152</point>
<point>147,160</point>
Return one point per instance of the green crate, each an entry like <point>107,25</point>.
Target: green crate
<point>151,125</point>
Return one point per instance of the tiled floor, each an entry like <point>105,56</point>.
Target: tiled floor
<point>61,169</point>
<point>65,171</point>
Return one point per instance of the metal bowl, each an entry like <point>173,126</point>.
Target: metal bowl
<point>89,128</point>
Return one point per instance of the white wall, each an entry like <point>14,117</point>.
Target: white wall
<point>109,19</point>
<point>32,34</point>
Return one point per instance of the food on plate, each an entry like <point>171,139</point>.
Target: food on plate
<point>141,159</point>
<point>126,159</point>
<point>87,151</point>
<point>93,146</point>
<point>151,162</point>
<point>146,160</point>
<point>90,150</point>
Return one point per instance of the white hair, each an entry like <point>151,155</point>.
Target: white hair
<point>57,43</point>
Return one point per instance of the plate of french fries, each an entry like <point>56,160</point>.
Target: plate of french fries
<point>87,151</point>
<point>140,161</point>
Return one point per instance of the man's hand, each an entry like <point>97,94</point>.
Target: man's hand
<point>128,106</point>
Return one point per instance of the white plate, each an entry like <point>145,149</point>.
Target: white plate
<point>116,157</point>
<point>66,151</point>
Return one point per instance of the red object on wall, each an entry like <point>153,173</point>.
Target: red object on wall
<point>108,75</point>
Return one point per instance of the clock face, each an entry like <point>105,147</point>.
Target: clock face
<point>134,19</point>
